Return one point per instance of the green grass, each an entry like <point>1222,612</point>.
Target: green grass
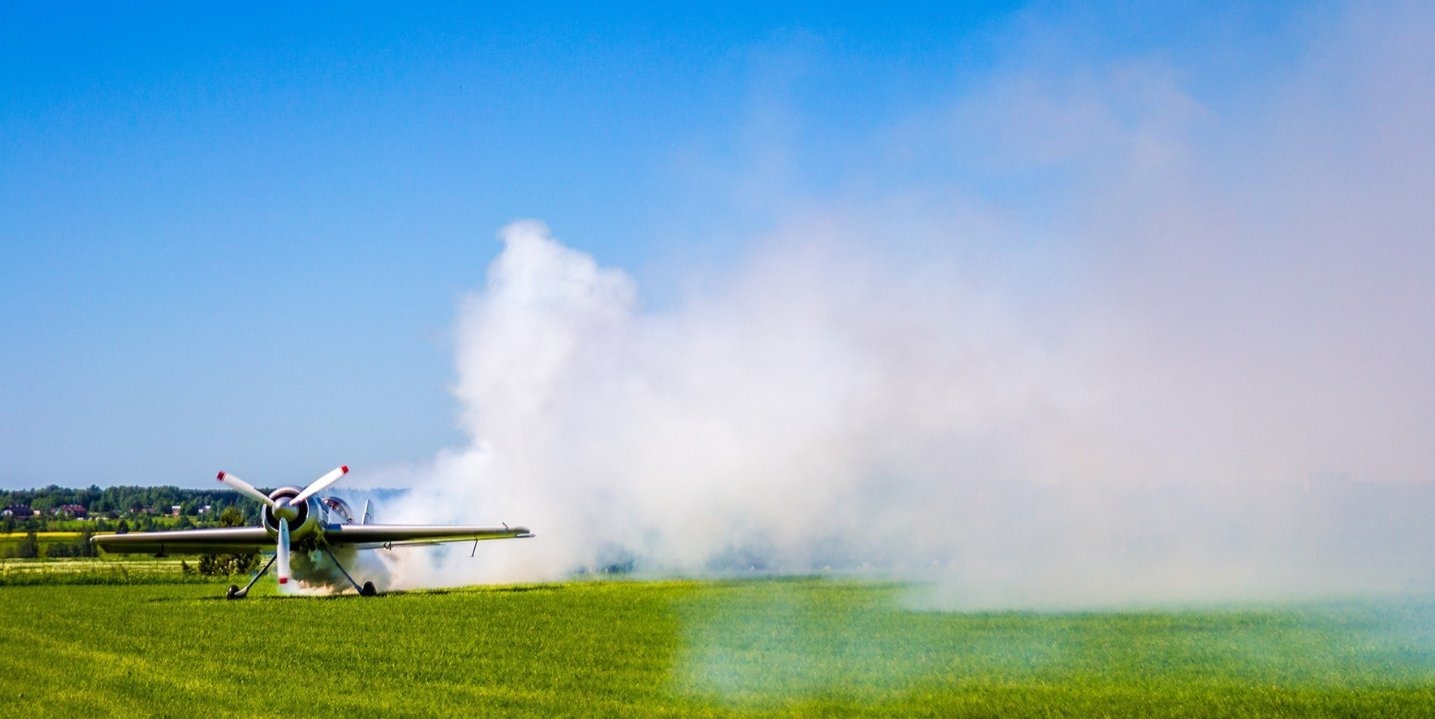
<point>803,647</point>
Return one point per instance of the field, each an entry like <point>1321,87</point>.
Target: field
<point>13,539</point>
<point>139,569</point>
<point>761,647</point>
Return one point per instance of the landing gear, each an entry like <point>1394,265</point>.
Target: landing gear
<point>367,590</point>
<point>236,593</point>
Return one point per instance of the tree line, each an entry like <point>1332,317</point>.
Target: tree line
<point>125,507</point>
<point>32,547</point>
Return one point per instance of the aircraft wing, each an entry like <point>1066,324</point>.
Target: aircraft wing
<point>370,536</point>
<point>228,540</point>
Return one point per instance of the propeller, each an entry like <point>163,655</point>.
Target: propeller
<point>284,509</point>
<point>246,488</point>
<point>283,554</point>
<point>319,484</point>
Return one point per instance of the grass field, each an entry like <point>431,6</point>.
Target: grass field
<point>138,569</point>
<point>778,647</point>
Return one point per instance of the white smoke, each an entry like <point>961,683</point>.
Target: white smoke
<point>783,418</point>
<point>316,573</point>
<point>1188,381</point>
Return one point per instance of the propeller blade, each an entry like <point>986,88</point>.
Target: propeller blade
<point>244,487</point>
<point>319,484</point>
<point>283,553</point>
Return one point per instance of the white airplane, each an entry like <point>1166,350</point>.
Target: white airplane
<point>298,519</point>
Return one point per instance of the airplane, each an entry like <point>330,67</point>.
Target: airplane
<point>298,520</point>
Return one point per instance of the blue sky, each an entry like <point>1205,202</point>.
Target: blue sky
<point>236,237</point>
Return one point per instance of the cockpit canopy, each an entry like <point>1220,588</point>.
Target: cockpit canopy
<point>336,506</point>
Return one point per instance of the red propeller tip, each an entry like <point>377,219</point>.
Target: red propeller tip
<point>220,477</point>
<point>345,469</point>
<point>283,580</point>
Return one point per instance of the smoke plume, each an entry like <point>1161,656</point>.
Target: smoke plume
<point>1191,362</point>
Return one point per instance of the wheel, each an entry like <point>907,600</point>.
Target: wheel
<point>368,590</point>
<point>233,592</point>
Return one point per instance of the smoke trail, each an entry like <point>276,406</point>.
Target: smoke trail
<point>1202,375</point>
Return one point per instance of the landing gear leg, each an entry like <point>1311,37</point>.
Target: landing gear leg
<point>236,593</point>
<point>367,590</point>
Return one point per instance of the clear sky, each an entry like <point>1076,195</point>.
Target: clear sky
<point>235,236</point>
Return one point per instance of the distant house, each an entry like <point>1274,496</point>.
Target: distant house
<point>77,511</point>
<point>174,510</point>
<point>18,511</point>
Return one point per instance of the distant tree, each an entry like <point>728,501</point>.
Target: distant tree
<point>124,527</point>
<point>29,547</point>
<point>79,548</point>
<point>7,524</point>
<point>226,564</point>
<point>231,517</point>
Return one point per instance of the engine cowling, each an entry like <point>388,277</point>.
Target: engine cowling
<point>303,517</point>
